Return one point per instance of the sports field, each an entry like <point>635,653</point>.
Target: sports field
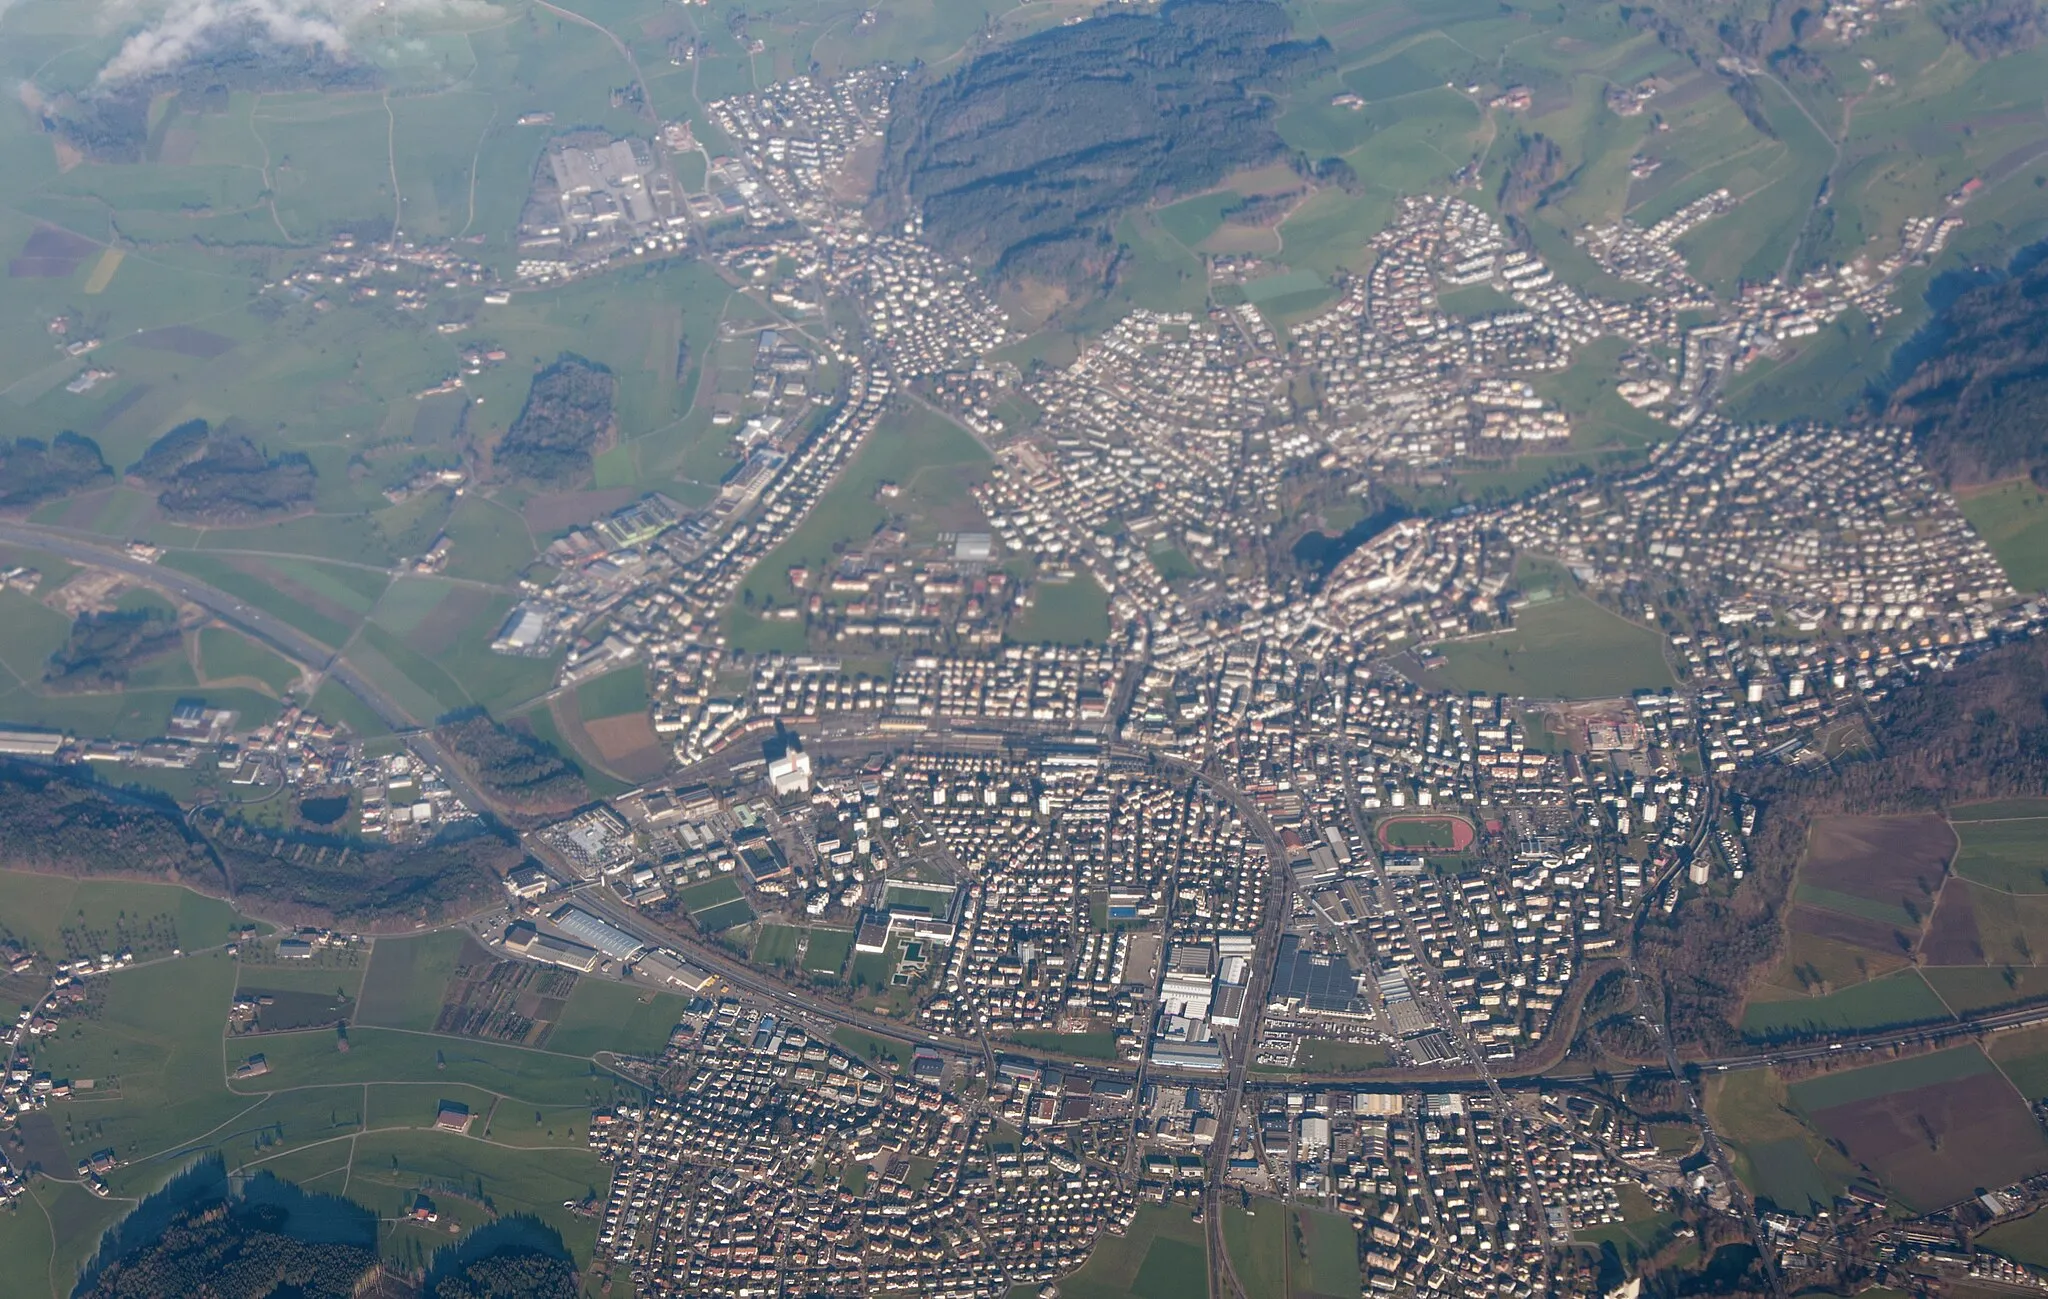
<point>1425,833</point>
<point>1070,612</point>
<point>1565,648</point>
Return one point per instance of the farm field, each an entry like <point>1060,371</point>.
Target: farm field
<point>1777,1156</point>
<point>607,1016</point>
<point>68,918</point>
<point>2012,517</point>
<point>2009,854</point>
<point>1567,648</point>
<point>1870,896</point>
<point>1162,1256</point>
<point>1900,998</point>
<point>2022,1055</point>
<point>2024,1240</point>
<point>407,978</point>
<point>377,1055</point>
<point>1932,1127</point>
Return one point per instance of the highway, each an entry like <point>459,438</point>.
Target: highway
<point>267,628</point>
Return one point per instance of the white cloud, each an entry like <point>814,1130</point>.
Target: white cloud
<point>185,26</point>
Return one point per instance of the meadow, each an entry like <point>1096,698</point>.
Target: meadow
<point>1565,648</point>
<point>2007,854</point>
<point>1162,1256</point>
<point>1901,998</point>
<point>1778,1157</point>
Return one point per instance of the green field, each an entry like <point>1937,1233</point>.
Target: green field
<point>714,892</point>
<point>1072,612</point>
<point>776,944</point>
<point>907,448</point>
<point>2010,855</point>
<point>828,950</point>
<point>63,917</point>
<point>873,1047</point>
<point>1643,1229</point>
<point>2022,1055</point>
<point>2024,1240</point>
<point>1999,809</point>
<point>226,655</point>
<point>407,977</point>
<point>382,1055</point>
<point>1901,998</point>
<point>1091,1046</point>
<point>2012,518</point>
<point>615,694</point>
<point>1257,1239</point>
<point>1162,1256</point>
<point>607,1016</point>
<point>1777,1156</point>
<point>1851,1085</point>
<point>1326,1055</point>
<point>154,1056</point>
<point>1568,648</point>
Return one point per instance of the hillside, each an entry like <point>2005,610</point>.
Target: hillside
<point>1023,160</point>
<point>1980,404</point>
<point>65,823</point>
<point>1980,731</point>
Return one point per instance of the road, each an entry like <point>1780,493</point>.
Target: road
<point>270,630</point>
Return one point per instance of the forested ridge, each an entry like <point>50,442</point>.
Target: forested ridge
<point>103,647</point>
<point>1979,406</point>
<point>1977,732</point>
<point>235,1252</point>
<point>64,823</point>
<point>1024,160</point>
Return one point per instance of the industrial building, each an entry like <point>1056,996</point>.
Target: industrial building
<point>529,942</point>
<point>600,934</point>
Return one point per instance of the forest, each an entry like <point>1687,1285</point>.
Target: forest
<point>211,475</point>
<point>363,885</point>
<point>568,412</point>
<point>513,766</point>
<point>104,647</point>
<point>1024,160</point>
<point>54,822</point>
<point>63,822</point>
<point>33,471</point>
<point>1979,406</point>
<point>236,1249</point>
<point>1980,731</point>
<point>236,1252</point>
